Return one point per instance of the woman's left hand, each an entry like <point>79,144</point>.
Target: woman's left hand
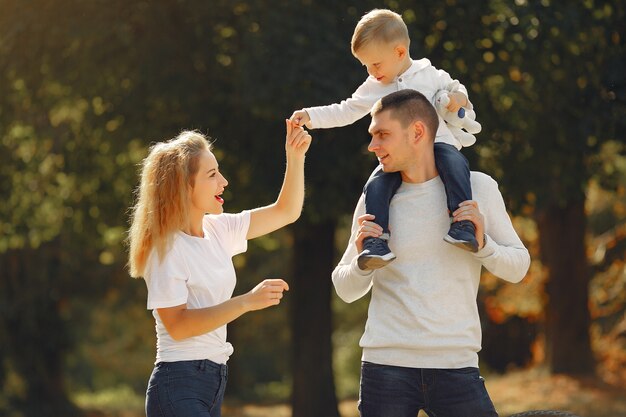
<point>298,140</point>
<point>267,293</point>
<point>468,210</point>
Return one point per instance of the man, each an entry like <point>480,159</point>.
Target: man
<point>422,337</point>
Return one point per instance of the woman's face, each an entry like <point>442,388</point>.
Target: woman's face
<point>209,184</point>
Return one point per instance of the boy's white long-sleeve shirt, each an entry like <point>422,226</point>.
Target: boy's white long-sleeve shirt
<point>423,311</point>
<point>421,76</point>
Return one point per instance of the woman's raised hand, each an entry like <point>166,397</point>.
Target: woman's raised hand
<point>297,141</point>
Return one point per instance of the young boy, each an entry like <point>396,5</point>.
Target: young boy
<point>381,43</point>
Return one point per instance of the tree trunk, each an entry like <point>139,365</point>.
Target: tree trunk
<point>563,253</point>
<point>36,335</point>
<point>313,384</point>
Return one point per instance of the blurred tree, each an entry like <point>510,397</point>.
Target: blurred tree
<point>88,85</point>
<point>85,84</point>
<point>548,80</point>
<point>566,62</point>
<point>64,184</point>
<point>309,62</point>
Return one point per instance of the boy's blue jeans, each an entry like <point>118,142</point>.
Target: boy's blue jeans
<point>454,172</point>
<point>186,389</point>
<point>394,391</point>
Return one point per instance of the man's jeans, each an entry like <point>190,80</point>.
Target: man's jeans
<point>186,389</point>
<point>453,169</point>
<point>394,391</point>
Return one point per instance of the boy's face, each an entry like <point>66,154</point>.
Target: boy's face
<point>383,61</point>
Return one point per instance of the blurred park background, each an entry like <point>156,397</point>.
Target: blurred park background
<point>87,86</point>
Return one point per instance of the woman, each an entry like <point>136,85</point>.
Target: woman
<point>182,242</point>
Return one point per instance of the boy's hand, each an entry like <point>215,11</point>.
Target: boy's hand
<point>457,100</point>
<point>300,118</point>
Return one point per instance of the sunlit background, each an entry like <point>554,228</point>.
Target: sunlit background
<point>87,86</point>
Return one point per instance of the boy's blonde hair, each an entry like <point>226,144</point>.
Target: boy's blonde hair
<point>163,196</point>
<point>379,25</point>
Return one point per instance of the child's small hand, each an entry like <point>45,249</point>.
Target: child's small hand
<point>457,100</point>
<point>300,118</point>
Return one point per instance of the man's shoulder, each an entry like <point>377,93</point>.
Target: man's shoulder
<point>481,176</point>
<point>482,181</point>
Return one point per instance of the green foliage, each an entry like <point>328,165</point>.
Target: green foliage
<point>562,61</point>
<point>87,86</point>
<point>117,400</point>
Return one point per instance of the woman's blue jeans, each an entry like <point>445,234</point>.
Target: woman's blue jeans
<point>186,389</point>
<point>394,391</point>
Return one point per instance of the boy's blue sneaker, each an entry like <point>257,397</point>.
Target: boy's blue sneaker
<point>462,235</point>
<point>376,253</point>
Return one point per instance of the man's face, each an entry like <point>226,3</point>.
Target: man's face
<point>390,142</point>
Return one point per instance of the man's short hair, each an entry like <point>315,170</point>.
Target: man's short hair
<point>409,106</point>
<point>379,25</point>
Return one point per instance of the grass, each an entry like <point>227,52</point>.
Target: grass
<point>513,392</point>
<point>535,389</point>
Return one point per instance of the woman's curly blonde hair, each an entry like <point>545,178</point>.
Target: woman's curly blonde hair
<point>163,196</point>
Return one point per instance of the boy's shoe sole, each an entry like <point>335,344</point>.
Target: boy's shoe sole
<point>371,262</point>
<point>463,244</point>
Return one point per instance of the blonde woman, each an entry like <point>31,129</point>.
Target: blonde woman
<point>181,243</point>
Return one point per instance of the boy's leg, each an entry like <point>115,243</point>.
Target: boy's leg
<point>378,191</point>
<point>454,172</point>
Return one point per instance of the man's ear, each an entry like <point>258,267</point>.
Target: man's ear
<point>419,131</point>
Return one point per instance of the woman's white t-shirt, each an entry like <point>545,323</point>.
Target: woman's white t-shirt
<point>198,272</point>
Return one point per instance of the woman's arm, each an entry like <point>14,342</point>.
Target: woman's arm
<point>288,205</point>
<point>182,323</point>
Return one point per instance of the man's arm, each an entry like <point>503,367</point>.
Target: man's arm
<point>350,282</point>
<point>503,253</point>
